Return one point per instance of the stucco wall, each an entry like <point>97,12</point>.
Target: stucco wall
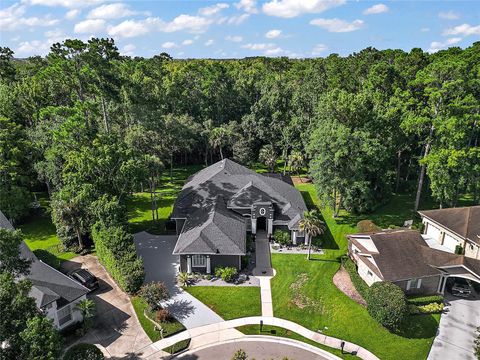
<point>366,274</point>
<point>429,286</point>
<point>472,250</point>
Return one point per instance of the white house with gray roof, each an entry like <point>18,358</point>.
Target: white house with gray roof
<point>55,294</point>
<point>220,204</point>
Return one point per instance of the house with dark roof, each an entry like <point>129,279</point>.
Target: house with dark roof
<point>453,230</point>
<point>404,258</point>
<point>220,204</point>
<point>55,294</point>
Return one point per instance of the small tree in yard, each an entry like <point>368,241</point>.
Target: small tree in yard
<point>312,226</point>
<point>386,303</point>
<point>87,308</point>
<point>281,237</point>
<point>154,293</point>
<point>83,352</point>
<point>240,355</point>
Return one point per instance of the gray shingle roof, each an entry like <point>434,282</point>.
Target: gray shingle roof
<point>214,230</point>
<point>465,221</point>
<point>238,185</point>
<point>4,223</point>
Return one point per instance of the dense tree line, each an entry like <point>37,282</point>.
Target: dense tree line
<point>91,126</point>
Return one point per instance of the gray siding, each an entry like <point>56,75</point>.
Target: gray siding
<point>429,286</point>
<point>215,261</point>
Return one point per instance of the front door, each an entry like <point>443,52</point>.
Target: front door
<point>262,223</point>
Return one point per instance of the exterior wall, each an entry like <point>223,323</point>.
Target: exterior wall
<point>215,261</point>
<point>179,225</point>
<point>472,250</point>
<point>429,286</point>
<point>366,274</point>
<point>443,236</point>
<point>51,312</point>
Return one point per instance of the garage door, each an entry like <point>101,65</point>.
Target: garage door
<point>433,232</point>
<point>450,242</point>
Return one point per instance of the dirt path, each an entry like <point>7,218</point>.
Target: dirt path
<point>342,281</point>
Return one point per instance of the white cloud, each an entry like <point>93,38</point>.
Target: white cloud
<point>128,50</point>
<point>464,29</point>
<point>213,10</point>
<point>34,47</point>
<point>376,9</point>
<point>234,38</point>
<point>439,45</point>
<point>259,46</point>
<point>274,51</point>
<point>209,42</point>
<point>425,29</point>
<point>54,36</point>
<point>193,24</point>
<point>319,49</point>
<point>272,34</point>
<point>73,4</point>
<point>12,18</point>
<point>187,42</point>
<point>337,25</point>
<point>72,14</point>
<point>89,26</point>
<point>449,15</point>
<point>133,28</point>
<point>169,45</point>
<point>110,11</point>
<point>292,8</point>
<point>238,19</point>
<point>249,6</point>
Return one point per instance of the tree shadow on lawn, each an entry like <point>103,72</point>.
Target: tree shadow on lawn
<point>419,327</point>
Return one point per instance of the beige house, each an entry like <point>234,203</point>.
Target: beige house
<point>453,230</point>
<point>404,258</point>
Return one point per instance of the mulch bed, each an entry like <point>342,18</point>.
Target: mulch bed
<point>342,281</point>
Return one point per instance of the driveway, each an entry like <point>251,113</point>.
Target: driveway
<point>161,265</point>
<point>456,332</point>
<point>116,329</point>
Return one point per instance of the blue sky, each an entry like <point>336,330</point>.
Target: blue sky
<point>240,28</point>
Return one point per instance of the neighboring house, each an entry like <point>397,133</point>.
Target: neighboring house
<point>447,229</point>
<point>55,294</point>
<point>221,203</point>
<point>404,258</point>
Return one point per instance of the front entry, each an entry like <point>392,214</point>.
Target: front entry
<point>262,223</point>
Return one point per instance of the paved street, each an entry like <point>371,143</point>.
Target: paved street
<point>161,265</point>
<point>456,331</point>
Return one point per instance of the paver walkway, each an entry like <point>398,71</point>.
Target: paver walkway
<point>263,271</point>
<point>215,329</point>
<point>456,332</point>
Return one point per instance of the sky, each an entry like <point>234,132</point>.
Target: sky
<point>240,28</point>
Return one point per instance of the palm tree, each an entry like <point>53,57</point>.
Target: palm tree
<point>312,226</point>
<point>87,309</point>
<point>218,138</point>
<point>295,161</point>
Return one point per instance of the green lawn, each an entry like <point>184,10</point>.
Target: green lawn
<point>170,328</point>
<point>40,236</point>
<point>230,302</point>
<point>303,292</point>
<point>281,332</point>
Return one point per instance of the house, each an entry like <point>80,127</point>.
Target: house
<point>220,204</point>
<point>404,258</point>
<point>453,230</point>
<point>55,294</point>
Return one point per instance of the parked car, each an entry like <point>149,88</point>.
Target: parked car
<point>461,288</point>
<point>84,277</point>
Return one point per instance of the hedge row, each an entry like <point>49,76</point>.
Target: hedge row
<point>425,300</point>
<point>116,251</point>
<point>357,281</point>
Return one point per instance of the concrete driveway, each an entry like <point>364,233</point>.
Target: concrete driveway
<point>116,329</point>
<point>161,265</point>
<point>456,332</point>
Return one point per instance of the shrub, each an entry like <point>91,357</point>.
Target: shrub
<point>240,355</point>
<point>163,315</point>
<point>365,226</point>
<point>153,293</point>
<point>459,250</point>
<point>357,281</point>
<point>282,237</point>
<point>183,279</point>
<point>476,347</point>
<point>425,300</point>
<point>116,251</point>
<point>226,273</point>
<point>432,308</point>
<point>83,352</point>
<point>386,303</point>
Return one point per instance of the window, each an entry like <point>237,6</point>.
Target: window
<point>414,284</point>
<point>369,273</point>
<point>472,247</point>
<point>64,315</point>
<point>199,261</point>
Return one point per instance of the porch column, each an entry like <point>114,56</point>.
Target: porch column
<point>294,237</point>
<point>189,264</point>
<point>306,239</point>
<point>270,226</point>
<point>254,226</point>
<point>209,269</point>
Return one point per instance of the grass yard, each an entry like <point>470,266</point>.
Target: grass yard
<point>230,302</point>
<point>281,332</point>
<point>303,292</point>
<point>169,328</point>
<point>41,237</point>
